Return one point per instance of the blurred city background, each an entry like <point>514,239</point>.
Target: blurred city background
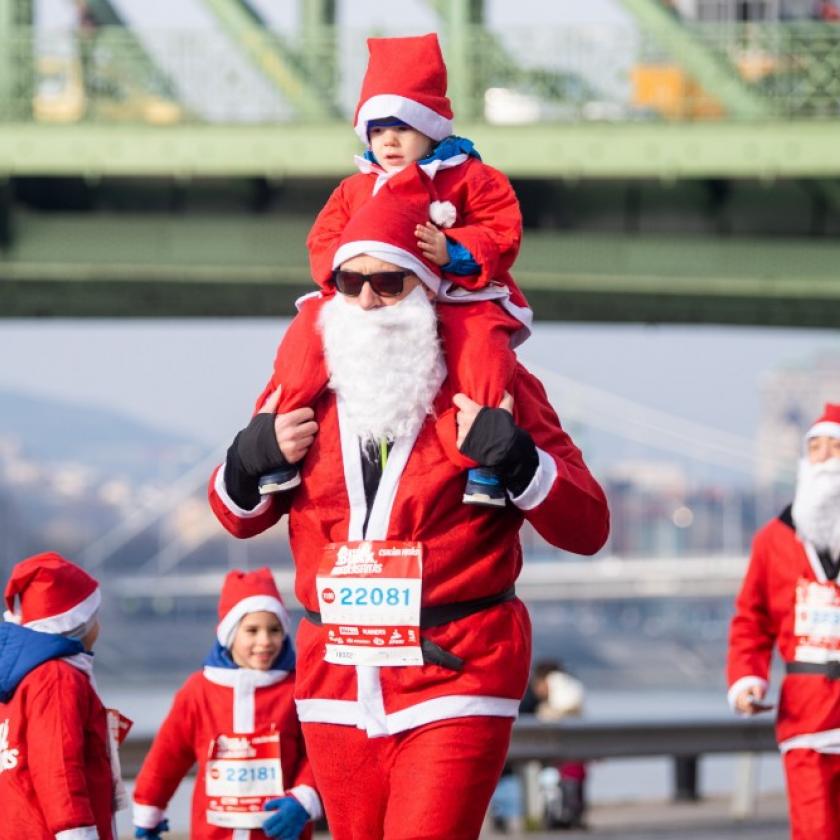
<point>678,166</point>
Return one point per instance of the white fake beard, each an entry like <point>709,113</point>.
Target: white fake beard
<point>385,364</point>
<point>816,505</point>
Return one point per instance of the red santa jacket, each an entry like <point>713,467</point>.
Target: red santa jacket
<point>488,223</point>
<point>469,553</point>
<point>55,771</point>
<point>809,705</point>
<point>212,702</point>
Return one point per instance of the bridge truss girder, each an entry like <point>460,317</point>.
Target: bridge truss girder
<point>766,150</point>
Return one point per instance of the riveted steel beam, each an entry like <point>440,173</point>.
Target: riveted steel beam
<point>801,149</point>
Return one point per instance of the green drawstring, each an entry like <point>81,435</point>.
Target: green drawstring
<point>383,453</point>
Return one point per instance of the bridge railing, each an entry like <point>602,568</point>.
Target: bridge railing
<point>618,73</point>
<point>685,741</point>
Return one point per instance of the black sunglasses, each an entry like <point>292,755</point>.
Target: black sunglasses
<point>383,283</point>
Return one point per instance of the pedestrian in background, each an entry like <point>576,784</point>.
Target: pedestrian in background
<point>553,694</point>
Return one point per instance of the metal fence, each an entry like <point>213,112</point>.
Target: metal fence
<point>683,741</point>
<point>676,71</point>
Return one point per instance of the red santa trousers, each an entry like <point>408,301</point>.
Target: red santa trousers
<point>476,340</point>
<point>813,784</point>
<point>427,783</point>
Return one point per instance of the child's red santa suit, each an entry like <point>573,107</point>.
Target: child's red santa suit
<point>475,205</point>
<point>790,599</point>
<point>59,771</point>
<point>225,700</point>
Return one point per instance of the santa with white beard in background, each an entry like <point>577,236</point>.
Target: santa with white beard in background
<point>414,651</point>
<point>790,598</point>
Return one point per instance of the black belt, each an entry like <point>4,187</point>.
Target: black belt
<point>442,614</point>
<point>825,669</point>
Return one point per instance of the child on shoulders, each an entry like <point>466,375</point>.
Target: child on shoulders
<point>473,236</point>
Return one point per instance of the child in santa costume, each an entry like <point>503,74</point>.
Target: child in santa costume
<point>237,719</point>
<point>473,235</point>
<point>59,770</point>
<point>790,599</point>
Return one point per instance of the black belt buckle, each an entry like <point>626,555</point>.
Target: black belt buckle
<point>832,669</point>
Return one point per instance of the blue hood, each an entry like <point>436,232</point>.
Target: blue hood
<point>22,650</point>
<point>447,148</point>
<point>219,657</point>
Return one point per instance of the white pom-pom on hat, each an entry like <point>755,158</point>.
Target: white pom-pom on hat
<point>442,213</point>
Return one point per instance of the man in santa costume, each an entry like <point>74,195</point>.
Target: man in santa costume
<point>59,771</point>
<point>244,695</point>
<point>415,651</point>
<point>790,599</point>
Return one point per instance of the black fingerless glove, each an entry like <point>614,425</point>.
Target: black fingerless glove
<point>254,452</point>
<point>495,441</point>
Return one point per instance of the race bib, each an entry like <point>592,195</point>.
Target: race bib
<point>817,621</point>
<point>243,773</point>
<point>369,598</point>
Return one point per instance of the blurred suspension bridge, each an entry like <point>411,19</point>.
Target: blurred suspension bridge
<point>140,105</point>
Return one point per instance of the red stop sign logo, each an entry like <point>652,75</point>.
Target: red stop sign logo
<point>328,595</point>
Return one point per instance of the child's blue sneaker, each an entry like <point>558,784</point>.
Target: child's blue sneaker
<point>484,487</point>
<point>279,481</point>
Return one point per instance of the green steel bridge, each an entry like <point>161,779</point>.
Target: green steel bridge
<point>654,99</point>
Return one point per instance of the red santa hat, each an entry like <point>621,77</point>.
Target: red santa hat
<point>406,79</point>
<point>384,226</point>
<point>50,594</point>
<point>247,592</point>
<point>827,424</point>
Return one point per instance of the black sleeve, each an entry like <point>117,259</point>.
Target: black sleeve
<point>496,441</point>
<point>254,452</point>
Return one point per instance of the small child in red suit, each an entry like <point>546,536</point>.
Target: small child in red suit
<point>236,718</point>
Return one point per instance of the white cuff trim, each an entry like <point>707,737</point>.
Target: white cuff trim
<point>146,816</point>
<point>308,797</point>
<point>242,513</point>
<point>542,482</point>
<point>739,685</point>
<point>827,741</point>
<point>89,832</point>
